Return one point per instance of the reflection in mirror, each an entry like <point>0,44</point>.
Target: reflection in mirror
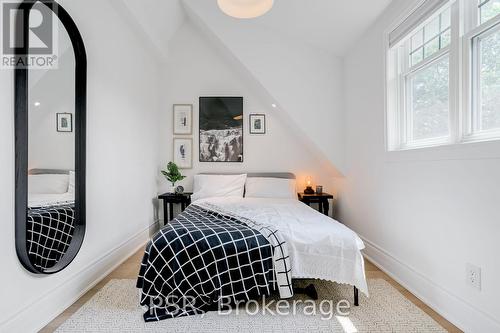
<point>51,152</point>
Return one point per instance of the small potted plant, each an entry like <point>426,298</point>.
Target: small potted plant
<point>173,175</point>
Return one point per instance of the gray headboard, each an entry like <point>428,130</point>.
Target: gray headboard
<point>48,172</point>
<point>282,175</point>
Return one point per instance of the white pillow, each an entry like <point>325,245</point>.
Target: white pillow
<point>206,186</point>
<point>261,187</point>
<point>48,184</point>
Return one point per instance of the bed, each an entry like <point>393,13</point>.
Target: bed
<point>50,215</point>
<point>241,241</point>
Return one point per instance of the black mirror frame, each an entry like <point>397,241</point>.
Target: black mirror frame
<point>21,105</point>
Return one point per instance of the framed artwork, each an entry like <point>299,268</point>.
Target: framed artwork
<point>64,122</point>
<point>183,153</point>
<point>257,124</point>
<point>221,129</point>
<point>183,119</point>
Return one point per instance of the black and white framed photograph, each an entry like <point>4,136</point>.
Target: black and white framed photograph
<point>221,129</point>
<point>183,153</point>
<point>257,124</point>
<point>183,119</point>
<point>64,122</point>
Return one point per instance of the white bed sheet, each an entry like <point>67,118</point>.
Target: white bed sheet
<point>319,247</point>
<point>49,199</point>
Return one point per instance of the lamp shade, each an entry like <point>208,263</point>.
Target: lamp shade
<point>245,9</point>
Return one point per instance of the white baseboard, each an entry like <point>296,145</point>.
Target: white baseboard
<point>42,311</point>
<point>456,310</point>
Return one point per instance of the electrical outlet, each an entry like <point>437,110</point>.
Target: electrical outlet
<point>473,276</point>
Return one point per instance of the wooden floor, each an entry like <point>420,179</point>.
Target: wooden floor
<point>130,268</point>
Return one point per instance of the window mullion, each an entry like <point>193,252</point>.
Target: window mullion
<point>476,85</point>
<point>405,95</point>
<point>470,14</point>
<point>407,115</point>
<point>455,74</point>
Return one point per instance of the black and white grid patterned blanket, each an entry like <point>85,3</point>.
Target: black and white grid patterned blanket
<point>207,255</point>
<point>48,233</point>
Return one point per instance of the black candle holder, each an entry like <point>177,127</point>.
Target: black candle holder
<point>309,190</point>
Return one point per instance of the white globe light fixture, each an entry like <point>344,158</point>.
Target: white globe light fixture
<point>245,9</point>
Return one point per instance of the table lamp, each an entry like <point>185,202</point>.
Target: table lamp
<point>309,189</point>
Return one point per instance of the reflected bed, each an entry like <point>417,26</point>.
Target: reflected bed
<point>50,216</point>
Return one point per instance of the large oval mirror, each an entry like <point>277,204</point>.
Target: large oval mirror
<point>50,113</point>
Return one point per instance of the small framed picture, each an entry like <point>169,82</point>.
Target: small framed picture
<point>183,153</point>
<point>257,124</point>
<point>64,122</point>
<point>183,119</point>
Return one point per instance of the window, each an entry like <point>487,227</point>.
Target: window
<point>487,76</point>
<point>482,76</point>
<point>488,9</point>
<point>422,73</point>
<point>433,97</point>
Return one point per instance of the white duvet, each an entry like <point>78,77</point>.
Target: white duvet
<point>319,247</point>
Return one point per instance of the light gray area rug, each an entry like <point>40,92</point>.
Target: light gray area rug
<point>115,309</point>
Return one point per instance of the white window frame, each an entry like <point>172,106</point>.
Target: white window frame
<point>463,105</point>
<point>400,71</point>
<point>471,84</point>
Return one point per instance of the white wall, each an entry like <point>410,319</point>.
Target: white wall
<point>122,161</point>
<point>301,79</point>
<point>424,214</point>
<point>198,68</point>
<point>55,91</point>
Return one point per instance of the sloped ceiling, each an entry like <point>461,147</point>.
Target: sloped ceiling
<point>155,21</point>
